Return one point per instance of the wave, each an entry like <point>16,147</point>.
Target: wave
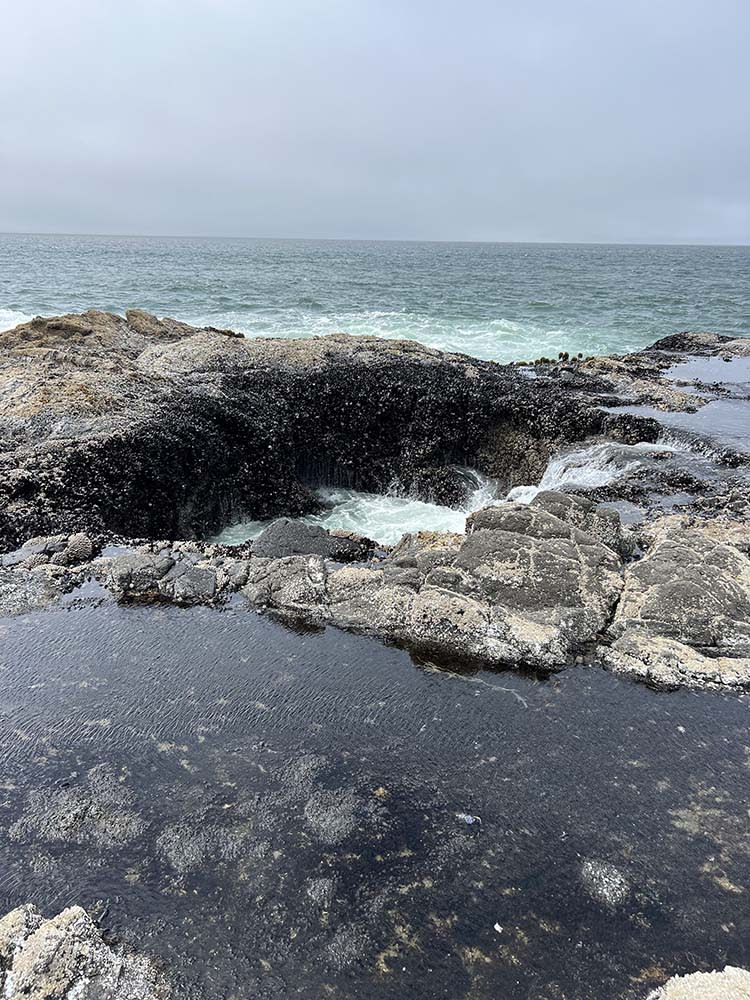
<point>497,339</point>
<point>12,317</point>
<point>589,468</point>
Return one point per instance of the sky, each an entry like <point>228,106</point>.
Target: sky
<point>548,120</point>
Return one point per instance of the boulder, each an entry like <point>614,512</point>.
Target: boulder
<point>730,984</point>
<point>286,537</point>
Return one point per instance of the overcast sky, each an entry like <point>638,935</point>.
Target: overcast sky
<point>570,120</point>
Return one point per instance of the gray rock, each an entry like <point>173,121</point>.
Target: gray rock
<point>603,524</point>
<point>290,538</point>
<point>522,587</point>
<point>79,548</point>
<point>24,589</point>
<point>137,575</point>
<point>684,615</point>
<point>605,883</point>
<point>66,957</point>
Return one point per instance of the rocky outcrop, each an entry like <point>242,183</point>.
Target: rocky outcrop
<point>730,984</point>
<point>523,587</point>
<point>145,428</point>
<point>540,585</point>
<point>66,957</point>
<point>684,614</point>
<point>151,428</point>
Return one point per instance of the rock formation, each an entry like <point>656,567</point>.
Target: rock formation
<point>66,957</point>
<point>154,430</point>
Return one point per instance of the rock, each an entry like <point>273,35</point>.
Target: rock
<point>294,583</point>
<point>27,588</point>
<point>290,538</point>
<point>144,427</point>
<point>603,524</point>
<point>605,883</point>
<point>66,957</point>
<point>149,428</point>
<point>523,587</point>
<point>692,342</point>
<point>79,548</point>
<point>15,928</point>
<point>97,809</point>
<point>739,348</point>
<point>684,615</point>
<point>137,575</point>
<point>730,984</point>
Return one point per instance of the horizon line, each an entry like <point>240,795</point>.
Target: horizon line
<point>364,239</point>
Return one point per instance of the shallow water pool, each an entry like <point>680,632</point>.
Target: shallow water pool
<point>280,813</point>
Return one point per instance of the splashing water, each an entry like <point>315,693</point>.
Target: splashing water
<point>382,517</point>
<point>588,468</point>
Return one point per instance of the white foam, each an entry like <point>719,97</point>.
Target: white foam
<point>12,317</point>
<point>382,517</point>
<point>496,339</point>
<point>588,468</point>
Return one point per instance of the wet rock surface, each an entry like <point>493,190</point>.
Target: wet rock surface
<point>541,585</point>
<point>523,587</point>
<point>148,427</point>
<point>684,614</point>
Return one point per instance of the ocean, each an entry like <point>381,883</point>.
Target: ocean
<point>496,301</point>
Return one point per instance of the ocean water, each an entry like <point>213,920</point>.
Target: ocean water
<point>496,301</point>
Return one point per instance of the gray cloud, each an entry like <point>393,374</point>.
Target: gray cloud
<point>487,119</point>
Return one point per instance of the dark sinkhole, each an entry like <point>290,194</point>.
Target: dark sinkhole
<point>276,814</point>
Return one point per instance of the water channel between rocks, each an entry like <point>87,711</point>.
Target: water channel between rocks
<point>274,813</point>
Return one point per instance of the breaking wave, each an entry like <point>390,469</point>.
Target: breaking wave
<point>12,317</point>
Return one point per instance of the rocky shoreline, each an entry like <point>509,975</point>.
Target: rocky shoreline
<point>115,429</point>
<point>126,442</point>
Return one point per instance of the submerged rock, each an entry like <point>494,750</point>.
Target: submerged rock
<point>65,957</point>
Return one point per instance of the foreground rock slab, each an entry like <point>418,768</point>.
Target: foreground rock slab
<point>522,587</point>
<point>66,957</point>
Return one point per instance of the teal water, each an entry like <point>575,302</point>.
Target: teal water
<point>497,301</point>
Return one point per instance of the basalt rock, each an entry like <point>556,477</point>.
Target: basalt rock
<point>684,615</point>
<point>151,428</point>
<point>66,957</point>
<point>287,538</point>
<point>524,587</point>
